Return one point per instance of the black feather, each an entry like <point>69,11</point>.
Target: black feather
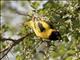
<point>55,35</point>
<point>41,27</point>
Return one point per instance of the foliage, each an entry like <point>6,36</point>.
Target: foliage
<point>65,17</point>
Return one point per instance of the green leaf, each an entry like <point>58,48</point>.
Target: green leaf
<point>71,52</point>
<point>20,57</point>
<point>69,58</point>
<point>35,5</point>
<point>54,54</point>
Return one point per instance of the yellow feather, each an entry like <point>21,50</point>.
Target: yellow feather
<point>47,30</point>
<point>34,26</point>
<point>45,25</point>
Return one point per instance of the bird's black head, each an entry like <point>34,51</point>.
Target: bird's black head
<point>55,35</point>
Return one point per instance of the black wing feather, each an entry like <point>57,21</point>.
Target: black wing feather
<point>41,27</point>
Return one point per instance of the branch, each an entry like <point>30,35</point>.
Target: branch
<point>7,39</point>
<point>7,50</point>
<point>4,50</point>
<point>15,42</point>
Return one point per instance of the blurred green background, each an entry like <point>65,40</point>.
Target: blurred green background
<point>64,14</point>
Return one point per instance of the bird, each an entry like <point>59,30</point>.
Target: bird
<point>44,29</point>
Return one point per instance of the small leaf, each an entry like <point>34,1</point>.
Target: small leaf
<point>35,5</point>
<point>71,52</point>
<point>19,57</point>
<point>69,58</point>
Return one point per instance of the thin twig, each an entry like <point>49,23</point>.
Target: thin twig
<point>4,50</point>
<point>15,43</point>
<point>7,51</point>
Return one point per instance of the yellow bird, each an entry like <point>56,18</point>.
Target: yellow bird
<point>43,29</point>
